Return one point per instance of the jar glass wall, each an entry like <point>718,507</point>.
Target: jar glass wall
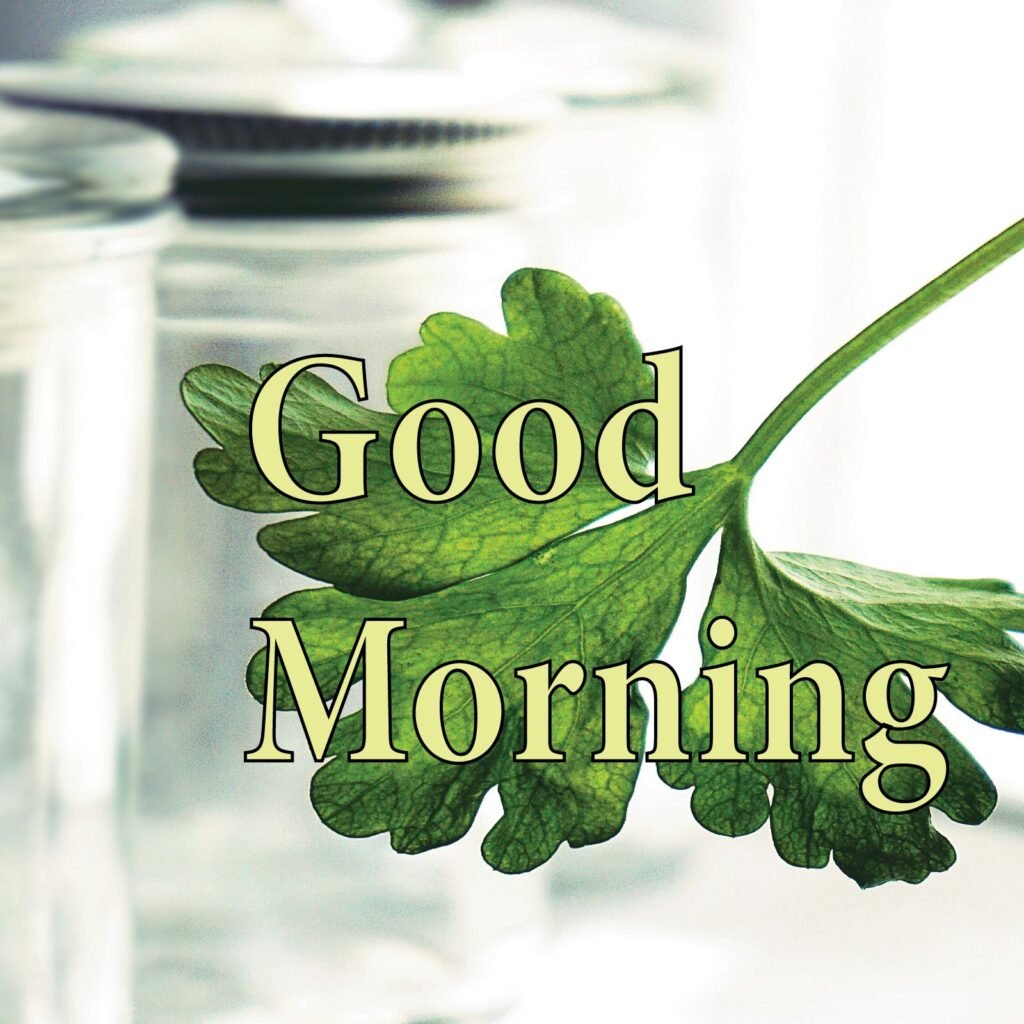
<point>80,224</point>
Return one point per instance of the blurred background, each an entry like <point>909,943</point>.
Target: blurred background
<point>753,181</point>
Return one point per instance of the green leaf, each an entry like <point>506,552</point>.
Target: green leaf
<point>564,344</point>
<point>801,608</point>
<point>604,596</point>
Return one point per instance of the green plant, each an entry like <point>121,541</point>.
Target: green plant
<point>504,583</point>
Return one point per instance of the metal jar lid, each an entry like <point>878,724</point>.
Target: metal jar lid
<point>302,140</point>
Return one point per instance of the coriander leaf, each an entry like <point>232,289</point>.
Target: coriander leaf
<point>565,345</point>
<point>600,597</point>
<point>387,544</point>
<point>605,596</point>
<point>802,608</point>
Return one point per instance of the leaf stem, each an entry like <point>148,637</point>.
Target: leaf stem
<point>820,381</point>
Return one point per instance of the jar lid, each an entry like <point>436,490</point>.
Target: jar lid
<point>74,188</point>
<point>357,139</point>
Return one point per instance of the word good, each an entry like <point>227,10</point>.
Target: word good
<point>465,443</point>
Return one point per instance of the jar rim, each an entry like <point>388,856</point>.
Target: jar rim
<point>86,239</point>
<point>76,188</point>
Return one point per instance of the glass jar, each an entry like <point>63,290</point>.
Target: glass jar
<point>250,909</point>
<point>80,225</point>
